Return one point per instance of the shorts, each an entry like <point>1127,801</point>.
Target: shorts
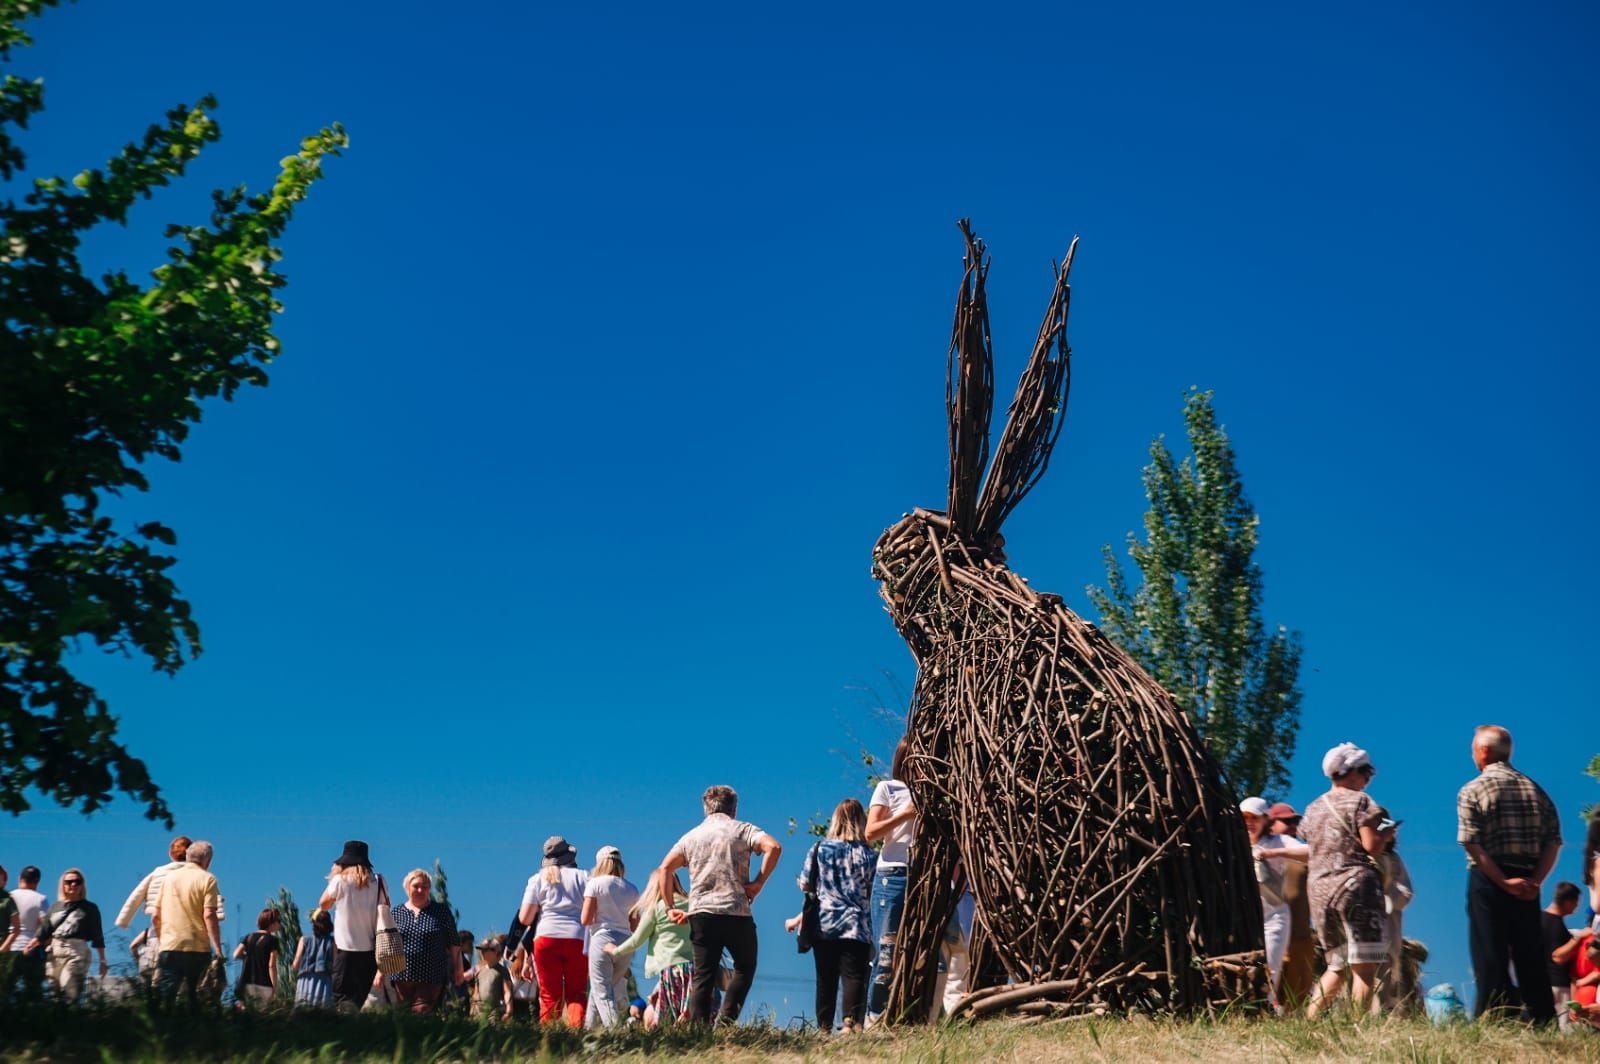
<point>1353,926</point>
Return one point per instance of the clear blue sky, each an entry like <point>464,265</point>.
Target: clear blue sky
<point>618,337</point>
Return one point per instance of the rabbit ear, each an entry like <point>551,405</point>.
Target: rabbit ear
<point>969,387</point>
<point>1037,413</point>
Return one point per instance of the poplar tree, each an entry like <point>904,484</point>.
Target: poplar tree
<point>1194,618</point>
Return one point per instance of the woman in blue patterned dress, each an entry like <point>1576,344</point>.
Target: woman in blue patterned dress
<point>843,866</point>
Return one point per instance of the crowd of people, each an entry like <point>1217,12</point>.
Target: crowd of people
<point>1332,884</point>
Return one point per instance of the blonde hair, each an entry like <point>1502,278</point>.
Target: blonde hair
<point>849,822</point>
<point>551,874</point>
<point>646,905</point>
<point>361,875</point>
<point>414,874</point>
<point>609,865</point>
<point>72,872</point>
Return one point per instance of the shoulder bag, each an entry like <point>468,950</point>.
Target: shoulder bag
<point>811,910</point>
<point>388,947</point>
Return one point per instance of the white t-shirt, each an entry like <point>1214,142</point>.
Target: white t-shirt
<point>31,906</point>
<point>1269,874</point>
<point>894,796</point>
<point>355,914</point>
<point>560,904</point>
<point>613,896</point>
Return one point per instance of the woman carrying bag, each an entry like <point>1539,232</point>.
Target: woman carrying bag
<point>838,872</point>
<point>353,897</point>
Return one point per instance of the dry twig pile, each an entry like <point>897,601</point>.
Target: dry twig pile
<point>1107,859</point>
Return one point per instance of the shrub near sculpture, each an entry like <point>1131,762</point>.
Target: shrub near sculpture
<point>1108,863</point>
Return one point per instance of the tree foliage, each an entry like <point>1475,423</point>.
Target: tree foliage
<point>1194,621</point>
<point>98,375</point>
<point>288,940</point>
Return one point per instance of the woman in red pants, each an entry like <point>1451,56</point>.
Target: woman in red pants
<point>552,905</point>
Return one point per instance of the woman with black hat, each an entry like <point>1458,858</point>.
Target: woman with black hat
<point>353,895</point>
<point>552,905</point>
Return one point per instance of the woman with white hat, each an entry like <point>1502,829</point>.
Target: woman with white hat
<point>1270,851</point>
<point>1346,887</point>
<point>606,900</point>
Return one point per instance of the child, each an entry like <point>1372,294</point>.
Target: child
<point>258,982</point>
<point>1396,896</point>
<point>313,964</point>
<point>491,986</point>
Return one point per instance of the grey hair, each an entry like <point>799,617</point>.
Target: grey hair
<point>199,853</point>
<point>720,799</point>
<point>1494,739</point>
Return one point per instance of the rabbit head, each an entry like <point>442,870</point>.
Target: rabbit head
<point>913,558</point>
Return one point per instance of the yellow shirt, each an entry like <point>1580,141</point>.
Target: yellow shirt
<point>186,894</point>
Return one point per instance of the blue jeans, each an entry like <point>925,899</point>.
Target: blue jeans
<point>888,902</point>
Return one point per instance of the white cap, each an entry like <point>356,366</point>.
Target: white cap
<point>1346,757</point>
<point>606,851</point>
<point>1255,806</point>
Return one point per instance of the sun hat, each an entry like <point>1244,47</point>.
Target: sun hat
<point>354,855</point>
<point>1255,806</point>
<point>1283,811</point>
<point>1346,757</point>
<point>558,850</point>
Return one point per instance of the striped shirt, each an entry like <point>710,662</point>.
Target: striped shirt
<point>1507,814</point>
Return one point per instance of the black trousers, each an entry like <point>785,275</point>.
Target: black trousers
<point>181,969</point>
<point>1505,930</point>
<point>709,935</point>
<point>841,960</point>
<point>353,972</point>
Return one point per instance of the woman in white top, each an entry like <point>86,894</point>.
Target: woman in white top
<point>891,819</point>
<point>552,905</point>
<point>606,900</point>
<point>353,894</point>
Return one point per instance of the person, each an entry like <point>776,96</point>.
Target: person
<point>28,960</point>
<point>891,820</point>
<point>1397,894</point>
<point>956,953</point>
<point>1341,828</point>
<point>670,960</point>
<point>1560,944</point>
<point>717,854</point>
<point>607,900</point>
<point>1584,978</point>
<point>185,925</point>
<point>1591,863</point>
<point>1512,834</point>
<point>552,904</point>
<point>1271,853</point>
<point>313,964</point>
<point>142,899</point>
<point>353,896</point>
<point>839,869</point>
<point>492,983</point>
<point>428,939</point>
<point>68,930</point>
<point>1300,956</point>
<point>10,925</point>
<point>258,979</point>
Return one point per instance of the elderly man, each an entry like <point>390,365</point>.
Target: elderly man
<point>185,924</point>
<point>717,853</point>
<point>1511,833</point>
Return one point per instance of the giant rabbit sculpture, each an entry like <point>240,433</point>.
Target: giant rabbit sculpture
<point>1107,858</point>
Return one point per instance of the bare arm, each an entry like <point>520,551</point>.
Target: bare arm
<point>1515,885</point>
<point>880,821</point>
<point>770,849</point>
<point>590,913</point>
<point>299,949</point>
<point>214,931</point>
<point>528,915</point>
<point>1372,840</point>
<point>238,951</point>
<point>457,974</point>
<point>1564,953</point>
<point>669,868</point>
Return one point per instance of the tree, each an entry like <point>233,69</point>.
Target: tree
<point>441,891</point>
<point>97,376</point>
<point>288,940</point>
<point>1194,622</point>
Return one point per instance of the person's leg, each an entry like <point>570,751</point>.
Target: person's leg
<point>888,901</point>
<point>739,932</point>
<point>575,981</point>
<point>1487,943</point>
<point>548,970</point>
<point>1361,977</point>
<point>1275,922</point>
<point>601,981</point>
<point>825,958</point>
<point>1327,989</point>
<point>855,963</point>
<point>1533,963</point>
<point>955,984</point>
<point>707,947</point>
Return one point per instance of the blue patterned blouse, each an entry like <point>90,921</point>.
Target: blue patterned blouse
<point>844,887</point>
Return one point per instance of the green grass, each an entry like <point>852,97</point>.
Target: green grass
<point>52,1033</point>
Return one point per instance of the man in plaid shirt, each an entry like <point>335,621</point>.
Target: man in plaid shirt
<point>1511,833</point>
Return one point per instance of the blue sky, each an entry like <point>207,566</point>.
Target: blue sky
<point>618,335</point>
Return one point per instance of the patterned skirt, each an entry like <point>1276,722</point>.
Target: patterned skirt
<point>670,998</point>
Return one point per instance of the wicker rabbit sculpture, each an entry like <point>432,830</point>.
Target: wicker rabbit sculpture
<point>1106,857</point>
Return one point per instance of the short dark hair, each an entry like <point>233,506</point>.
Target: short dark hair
<point>29,876</point>
<point>464,938</point>
<point>266,918</point>
<point>720,798</point>
<point>1566,892</point>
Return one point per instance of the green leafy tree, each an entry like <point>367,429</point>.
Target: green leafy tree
<point>441,891</point>
<point>288,940</point>
<point>1194,621</point>
<point>97,376</point>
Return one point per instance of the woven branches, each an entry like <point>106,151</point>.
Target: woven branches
<point>1107,860</point>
